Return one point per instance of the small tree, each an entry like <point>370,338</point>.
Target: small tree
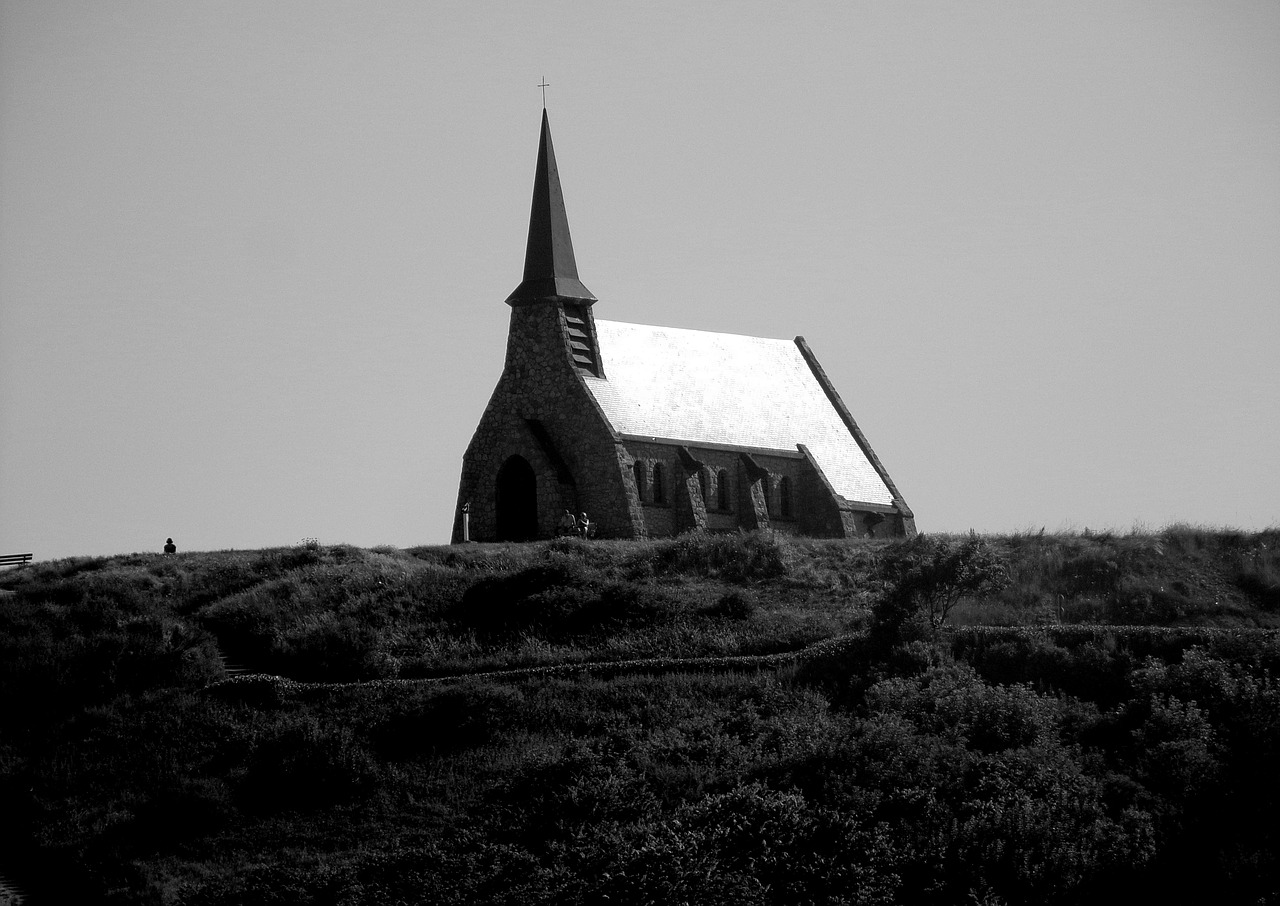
<point>928,577</point>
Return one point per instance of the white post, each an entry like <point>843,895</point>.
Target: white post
<point>466,522</point>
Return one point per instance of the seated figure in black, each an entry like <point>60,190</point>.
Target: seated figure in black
<point>170,547</point>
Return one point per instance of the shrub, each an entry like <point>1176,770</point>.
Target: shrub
<point>459,868</point>
<point>734,605</point>
<point>1177,748</point>
<point>744,557</point>
<point>928,577</point>
<point>249,625</point>
<point>1258,574</point>
<point>953,701</point>
<point>587,784</point>
<point>307,765</point>
<point>180,809</point>
<point>336,649</point>
<point>1094,669</point>
<point>913,658</point>
<point>287,559</point>
<point>1139,601</point>
<point>448,720</point>
<point>557,599</point>
<point>750,845</point>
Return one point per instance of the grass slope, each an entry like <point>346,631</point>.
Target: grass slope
<point>1103,724</point>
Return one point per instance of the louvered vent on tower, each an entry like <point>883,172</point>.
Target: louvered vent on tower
<point>582,343</point>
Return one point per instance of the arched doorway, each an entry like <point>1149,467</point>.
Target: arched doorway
<point>517,501</point>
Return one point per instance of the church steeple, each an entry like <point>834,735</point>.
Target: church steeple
<point>550,272</point>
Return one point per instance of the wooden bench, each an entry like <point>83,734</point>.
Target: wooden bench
<point>14,559</point>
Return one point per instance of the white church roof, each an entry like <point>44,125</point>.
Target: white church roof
<point>699,387</point>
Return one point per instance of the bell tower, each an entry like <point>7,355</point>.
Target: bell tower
<point>550,270</point>
<point>544,445</point>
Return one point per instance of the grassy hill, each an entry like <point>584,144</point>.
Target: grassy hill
<point>737,719</point>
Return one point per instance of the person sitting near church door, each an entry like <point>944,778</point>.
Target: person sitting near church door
<point>568,525</point>
<point>584,525</point>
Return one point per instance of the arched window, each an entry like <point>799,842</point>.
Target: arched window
<point>784,497</point>
<point>637,468</point>
<point>722,489</point>
<point>656,485</point>
<point>703,480</point>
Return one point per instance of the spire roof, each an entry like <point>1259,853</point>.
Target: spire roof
<point>550,272</point>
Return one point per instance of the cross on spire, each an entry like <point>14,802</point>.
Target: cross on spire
<point>544,84</point>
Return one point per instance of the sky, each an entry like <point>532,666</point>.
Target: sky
<point>253,256</point>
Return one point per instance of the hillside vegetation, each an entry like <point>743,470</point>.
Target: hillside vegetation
<point>707,719</point>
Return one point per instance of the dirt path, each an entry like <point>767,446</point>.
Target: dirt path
<point>607,668</point>
<point>284,685</point>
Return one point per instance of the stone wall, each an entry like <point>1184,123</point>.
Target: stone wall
<point>723,489</point>
<point>541,410</point>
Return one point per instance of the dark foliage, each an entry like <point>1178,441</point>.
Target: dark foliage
<point>557,599</point>
<point>1064,764</point>
<point>928,577</point>
<point>735,558</point>
<point>447,720</point>
<point>306,765</point>
<point>734,605</point>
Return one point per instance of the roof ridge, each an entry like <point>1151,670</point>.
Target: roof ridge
<point>714,333</point>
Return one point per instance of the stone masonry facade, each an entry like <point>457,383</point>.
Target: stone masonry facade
<point>723,489</point>
<point>543,412</point>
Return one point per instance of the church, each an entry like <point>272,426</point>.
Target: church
<point>654,431</point>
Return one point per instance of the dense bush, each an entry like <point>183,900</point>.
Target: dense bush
<point>744,557</point>
<point>446,720</point>
<point>1258,570</point>
<point>928,577</point>
<point>557,599</point>
<point>61,654</point>
<point>305,764</point>
<point>1051,764</point>
<point>749,845</point>
<point>734,605</point>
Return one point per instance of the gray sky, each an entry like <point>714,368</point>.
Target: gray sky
<point>253,256</point>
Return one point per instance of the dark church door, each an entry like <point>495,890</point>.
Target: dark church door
<point>517,501</point>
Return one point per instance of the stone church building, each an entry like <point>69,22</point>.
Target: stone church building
<point>653,431</point>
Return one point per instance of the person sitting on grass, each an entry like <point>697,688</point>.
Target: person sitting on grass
<point>169,546</point>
